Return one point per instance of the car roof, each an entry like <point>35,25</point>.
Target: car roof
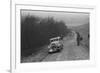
<point>55,38</point>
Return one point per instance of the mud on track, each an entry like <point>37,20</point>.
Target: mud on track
<point>70,52</point>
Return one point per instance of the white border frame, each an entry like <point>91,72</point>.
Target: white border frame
<point>16,66</point>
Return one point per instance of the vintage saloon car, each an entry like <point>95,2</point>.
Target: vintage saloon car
<point>55,45</point>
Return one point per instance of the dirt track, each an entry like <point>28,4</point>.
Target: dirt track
<point>70,51</point>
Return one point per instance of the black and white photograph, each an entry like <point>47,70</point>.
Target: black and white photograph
<point>50,36</point>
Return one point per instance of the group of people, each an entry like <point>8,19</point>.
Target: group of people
<point>78,37</point>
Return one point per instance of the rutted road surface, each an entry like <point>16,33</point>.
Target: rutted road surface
<point>70,52</point>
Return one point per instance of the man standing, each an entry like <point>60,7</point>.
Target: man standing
<point>79,38</point>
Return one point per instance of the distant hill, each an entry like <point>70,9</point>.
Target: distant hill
<point>81,28</point>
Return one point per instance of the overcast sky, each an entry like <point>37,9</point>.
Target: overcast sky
<point>70,18</point>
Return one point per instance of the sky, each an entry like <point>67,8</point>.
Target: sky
<point>70,18</point>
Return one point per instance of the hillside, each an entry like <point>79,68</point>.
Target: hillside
<point>84,32</point>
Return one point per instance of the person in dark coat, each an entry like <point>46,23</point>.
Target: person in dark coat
<point>79,38</point>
